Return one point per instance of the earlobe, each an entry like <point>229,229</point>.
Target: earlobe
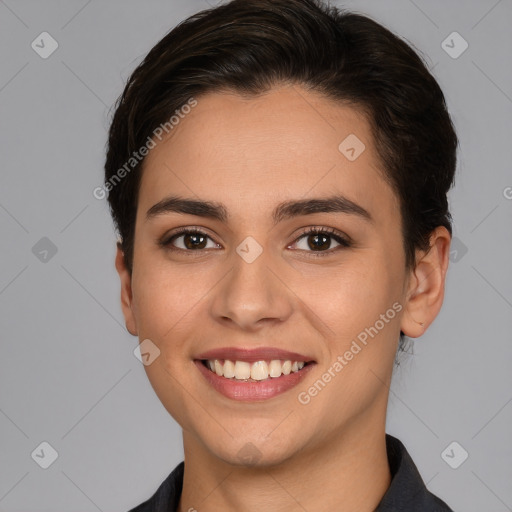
<point>426,285</point>
<point>126,291</point>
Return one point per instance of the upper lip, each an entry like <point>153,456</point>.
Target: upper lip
<point>254,354</point>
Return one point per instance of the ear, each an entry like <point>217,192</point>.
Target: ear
<point>126,291</point>
<point>426,284</point>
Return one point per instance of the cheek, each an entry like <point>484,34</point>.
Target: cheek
<point>360,306</point>
<point>161,298</point>
<point>351,297</point>
<point>168,299</point>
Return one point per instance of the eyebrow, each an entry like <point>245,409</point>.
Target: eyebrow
<point>285,210</point>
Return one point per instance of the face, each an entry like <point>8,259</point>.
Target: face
<point>324,278</point>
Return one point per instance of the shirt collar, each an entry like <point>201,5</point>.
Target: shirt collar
<point>407,490</point>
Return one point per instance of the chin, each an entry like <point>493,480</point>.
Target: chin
<point>256,451</point>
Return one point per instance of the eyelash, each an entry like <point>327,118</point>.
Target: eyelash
<point>330,232</point>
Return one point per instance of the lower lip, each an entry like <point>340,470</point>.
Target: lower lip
<point>253,391</point>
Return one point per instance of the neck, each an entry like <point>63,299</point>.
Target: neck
<point>346,471</point>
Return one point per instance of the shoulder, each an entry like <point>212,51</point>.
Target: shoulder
<point>407,490</point>
<point>167,496</point>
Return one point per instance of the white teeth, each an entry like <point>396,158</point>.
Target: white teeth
<point>275,368</point>
<point>242,370</point>
<point>259,370</point>
<point>229,369</point>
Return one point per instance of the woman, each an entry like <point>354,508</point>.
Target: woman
<point>278,171</point>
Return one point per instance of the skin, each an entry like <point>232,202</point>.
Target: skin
<point>250,155</point>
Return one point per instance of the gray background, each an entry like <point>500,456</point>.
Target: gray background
<point>68,375</point>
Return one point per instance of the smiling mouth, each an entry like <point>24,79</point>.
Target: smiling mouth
<point>256,371</point>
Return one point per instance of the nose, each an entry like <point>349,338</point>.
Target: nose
<point>252,295</point>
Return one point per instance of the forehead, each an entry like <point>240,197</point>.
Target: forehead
<point>286,143</point>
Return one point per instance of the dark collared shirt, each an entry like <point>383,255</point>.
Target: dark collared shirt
<point>406,493</point>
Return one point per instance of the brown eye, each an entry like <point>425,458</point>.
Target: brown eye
<point>189,240</point>
<point>320,241</point>
<point>194,241</point>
